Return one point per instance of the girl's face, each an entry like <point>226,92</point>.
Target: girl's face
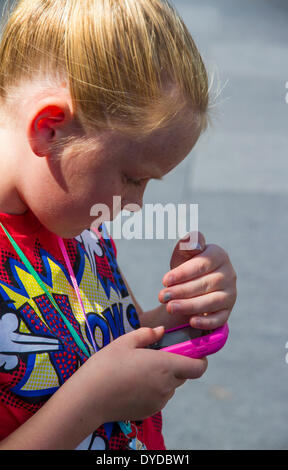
<point>63,189</point>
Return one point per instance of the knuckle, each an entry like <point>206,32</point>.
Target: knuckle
<point>230,272</point>
<point>212,323</point>
<point>191,307</point>
<point>216,320</point>
<point>231,298</point>
<point>226,279</point>
<point>224,297</point>
<point>206,322</point>
<point>201,267</point>
<point>220,279</point>
<point>205,285</point>
<point>180,292</point>
<point>164,392</point>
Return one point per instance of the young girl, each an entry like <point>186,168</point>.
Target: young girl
<point>97,98</point>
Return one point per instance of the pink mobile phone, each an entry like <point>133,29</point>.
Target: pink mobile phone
<point>191,342</point>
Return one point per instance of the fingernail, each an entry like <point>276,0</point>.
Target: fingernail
<point>158,329</point>
<point>167,296</point>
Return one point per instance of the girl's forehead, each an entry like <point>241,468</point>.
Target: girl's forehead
<point>152,156</point>
<point>164,149</point>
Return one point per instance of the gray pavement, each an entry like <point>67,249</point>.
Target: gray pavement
<point>238,176</point>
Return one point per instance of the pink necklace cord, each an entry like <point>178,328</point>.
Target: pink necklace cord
<point>76,287</point>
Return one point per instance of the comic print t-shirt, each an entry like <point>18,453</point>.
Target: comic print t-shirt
<point>37,353</point>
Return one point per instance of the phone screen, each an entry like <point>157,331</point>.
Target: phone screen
<point>179,336</point>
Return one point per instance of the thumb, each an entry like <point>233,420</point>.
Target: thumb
<point>144,337</point>
<point>191,245</point>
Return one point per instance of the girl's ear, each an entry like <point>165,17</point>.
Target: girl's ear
<point>45,128</point>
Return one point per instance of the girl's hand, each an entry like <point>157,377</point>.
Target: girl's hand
<point>201,285</point>
<point>125,380</point>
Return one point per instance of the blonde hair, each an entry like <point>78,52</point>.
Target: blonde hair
<point>122,60</point>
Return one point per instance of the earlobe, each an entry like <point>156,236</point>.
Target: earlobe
<point>42,129</point>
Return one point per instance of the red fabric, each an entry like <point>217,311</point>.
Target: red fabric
<point>11,419</point>
<point>152,433</point>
